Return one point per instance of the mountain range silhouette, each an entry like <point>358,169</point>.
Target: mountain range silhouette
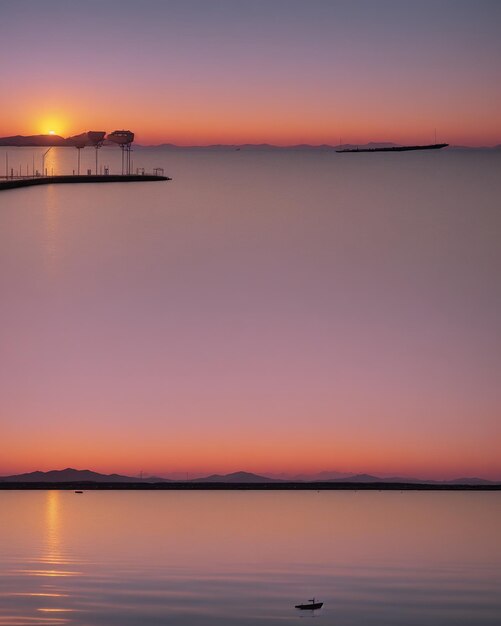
<point>75,475</point>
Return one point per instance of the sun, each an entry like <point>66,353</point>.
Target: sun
<point>53,124</point>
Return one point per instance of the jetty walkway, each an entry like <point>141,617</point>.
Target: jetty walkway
<point>30,181</point>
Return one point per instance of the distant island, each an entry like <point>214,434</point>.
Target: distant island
<point>35,141</point>
<point>50,141</point>
<point>70,478</point>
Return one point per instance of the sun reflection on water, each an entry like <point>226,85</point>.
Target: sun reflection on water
<point>204,560</point>
<point>52,556</point>
<point>51,564</point>
<point>52,547</point>
<point>39,595</point>
<point>48,610</point>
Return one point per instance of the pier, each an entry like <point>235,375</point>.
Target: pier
<point>30,181</point>
<point>91,138</point>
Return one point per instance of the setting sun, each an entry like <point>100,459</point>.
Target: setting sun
<point>54,122</point>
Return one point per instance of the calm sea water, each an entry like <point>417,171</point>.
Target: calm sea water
<point>246,558</point>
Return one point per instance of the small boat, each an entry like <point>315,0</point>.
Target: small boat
<point>311,606</point>
<point>78,491</point>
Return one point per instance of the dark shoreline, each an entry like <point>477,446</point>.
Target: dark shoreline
<point>275,486</point>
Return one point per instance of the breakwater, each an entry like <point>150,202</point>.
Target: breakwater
<point>14,183</point>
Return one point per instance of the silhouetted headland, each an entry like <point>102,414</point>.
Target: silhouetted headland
<point>35,141</point>
<point>88,138</point>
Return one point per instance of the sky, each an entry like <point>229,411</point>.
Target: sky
<point>282,71</point>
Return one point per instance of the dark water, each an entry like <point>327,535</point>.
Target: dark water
<point>247,558</point>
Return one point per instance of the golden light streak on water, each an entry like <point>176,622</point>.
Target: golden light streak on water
<point>37,595</point>
<point>12,620</point>
<point>52,545</point>
<point>48,572</point>
<point>45,610</point>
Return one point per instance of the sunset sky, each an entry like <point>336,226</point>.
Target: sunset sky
<point>281,71</point>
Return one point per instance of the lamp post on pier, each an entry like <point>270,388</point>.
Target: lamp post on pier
<point>43,160</point>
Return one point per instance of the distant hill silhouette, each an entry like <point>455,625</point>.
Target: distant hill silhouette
<point>270,147</point>
<point>56,140</point>
<point>73,475</point>
<point>470,481</point>
<point>368,478</point>
<point>33,140</point>
<point>319,476</point>
<point>360,478</point>
<point>235,477</point>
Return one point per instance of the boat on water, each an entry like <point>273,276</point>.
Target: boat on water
<point>432,146</point>
<point>311,605</point>
<point>78,491</point>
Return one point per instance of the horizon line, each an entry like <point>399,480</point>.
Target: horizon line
<point>286,476</point>
<point>495,143</point>
<point>292,146</point>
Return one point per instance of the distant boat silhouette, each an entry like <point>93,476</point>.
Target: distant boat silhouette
<point>311,606</point>
<point>78,491</point>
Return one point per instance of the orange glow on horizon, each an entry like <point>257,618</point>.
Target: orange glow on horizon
<point>48,123</point>
<point>307,454</point>
<point>305,82</point>
<point>221,126</point>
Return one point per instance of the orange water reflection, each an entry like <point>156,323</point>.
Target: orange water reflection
<point>53,527</point>
<point>51,563</point>
<point>45,610</point>
<point>217,559</point>
<point>39,595</point>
